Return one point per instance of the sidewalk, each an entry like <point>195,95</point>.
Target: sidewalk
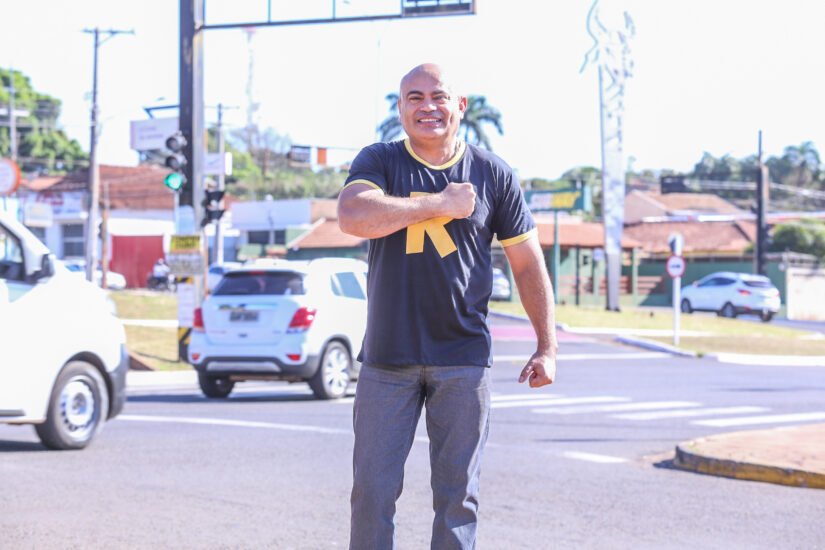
<point>788,456</point>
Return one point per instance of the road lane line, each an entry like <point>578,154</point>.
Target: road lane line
<point>561,401</point>
<point>616,408</point>
<point>232,423</point>
<point>591,457</point>
<point>772,419</point>
<point>524,396</point>
<point>688,413</point>
<point>586,356</point>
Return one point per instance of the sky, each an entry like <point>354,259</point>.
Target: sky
<point>707,74</point>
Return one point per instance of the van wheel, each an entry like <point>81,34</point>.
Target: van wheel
<point>685,306</point>
<point>78,408</point>
<point>728,311</point>
<point>215,386</point>
<point>332,378</point>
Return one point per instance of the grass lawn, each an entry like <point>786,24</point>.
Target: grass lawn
<point>726,335</point>
<point>157,348</point>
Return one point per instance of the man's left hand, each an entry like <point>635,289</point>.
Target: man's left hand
<point>539,371</point>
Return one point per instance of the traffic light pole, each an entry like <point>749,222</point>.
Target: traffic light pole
<point>761,206</point>
<point>221,185</point>
<point>191,114</point>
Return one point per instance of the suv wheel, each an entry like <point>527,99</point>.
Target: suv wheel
<point>766,316</point>
<point>332,378</point>
<point>215,386</point>
<point>685,306</point>
<point>728,311</point>
<point>77,410</point>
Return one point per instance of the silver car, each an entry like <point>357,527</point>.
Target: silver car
<point>731,294</point>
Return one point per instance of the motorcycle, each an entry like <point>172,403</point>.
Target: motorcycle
<point>160,283</point>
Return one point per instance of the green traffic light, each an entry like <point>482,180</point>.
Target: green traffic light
<point>174,181</point>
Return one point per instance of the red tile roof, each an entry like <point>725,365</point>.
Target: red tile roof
<point>710,237</point>
<point>585,235</point>
<point>641,204</point>
<point>327,234</point>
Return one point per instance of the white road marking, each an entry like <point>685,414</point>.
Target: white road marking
<point>616,408</point>
<point>522,396</point>
<point>587,356</point>
<point>560,401</point>
<point>772,419</point>
<point>688,413</point>
<point>590,457</point>
<point>232,423</point>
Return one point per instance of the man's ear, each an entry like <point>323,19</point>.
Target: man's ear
<point>462,105</point>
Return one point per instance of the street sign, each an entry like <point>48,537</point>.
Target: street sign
<point>559,200</point>
<point>213,165</point>
<point>146,135</point>
<point>184,257</point>
<point>9,176</point>
<point>675,266</point>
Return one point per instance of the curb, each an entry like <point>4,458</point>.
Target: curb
<point>693,461</point>
<point>654,346</point>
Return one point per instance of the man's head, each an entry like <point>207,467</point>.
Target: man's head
<point>429,108</point>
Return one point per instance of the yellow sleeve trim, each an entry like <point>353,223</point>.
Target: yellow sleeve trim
<point>517,239</point>
<point>364,182</point>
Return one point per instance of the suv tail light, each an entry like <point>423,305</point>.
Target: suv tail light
<point>197,323</point>
<point>302,320</point>
<point>744,292</point>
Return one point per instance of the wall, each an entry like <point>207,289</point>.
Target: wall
<point>805,288</point>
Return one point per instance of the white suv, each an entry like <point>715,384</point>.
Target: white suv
<point>63,357</point>
<point>730,294</point>
<point>282,320</point>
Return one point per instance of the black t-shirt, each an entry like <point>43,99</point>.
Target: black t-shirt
<point>429,284</point>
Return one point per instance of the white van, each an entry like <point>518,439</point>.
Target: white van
<point>63,357</point>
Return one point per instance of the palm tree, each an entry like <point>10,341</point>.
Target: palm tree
<point>478,114</point>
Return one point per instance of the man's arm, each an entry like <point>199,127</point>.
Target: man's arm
<point>527,262</point>
<point>367,212</point>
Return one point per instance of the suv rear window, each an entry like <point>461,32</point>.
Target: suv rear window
<point>272,283</point>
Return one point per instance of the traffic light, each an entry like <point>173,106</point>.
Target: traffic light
<point>176,161</point>
<point>212,208</point>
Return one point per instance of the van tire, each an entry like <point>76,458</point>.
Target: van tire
<point>78,408</point>
<point>332,379</point>
<point>216,387</point>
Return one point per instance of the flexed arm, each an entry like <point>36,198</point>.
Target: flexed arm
<point>367,212</point>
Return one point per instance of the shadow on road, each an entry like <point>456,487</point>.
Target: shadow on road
<point>21,446</point>
<point>233,399</point>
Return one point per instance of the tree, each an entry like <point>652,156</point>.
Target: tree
<point>472,128</point>
<point>41,146</point>
<point>807,237</point>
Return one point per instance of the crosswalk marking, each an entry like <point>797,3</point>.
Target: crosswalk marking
<point>689,413</point>
<point>523,396</point>
<point>559,401</point>
<point>620,407</point>
<point>771,419</point>
<point>591,457</point>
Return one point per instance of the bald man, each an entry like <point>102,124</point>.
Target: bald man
<point>431,205</point>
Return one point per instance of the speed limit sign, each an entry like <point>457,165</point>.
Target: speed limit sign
<point>675,266</point>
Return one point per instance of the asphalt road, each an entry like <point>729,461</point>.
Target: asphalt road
<point>583,464</point>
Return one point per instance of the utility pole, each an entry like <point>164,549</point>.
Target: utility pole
<point>12,119</point>
<point>221,186</point>
<point>94,168</point>
<point>762,195</point>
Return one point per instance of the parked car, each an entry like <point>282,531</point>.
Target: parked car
<point>63,357</point>
<point>282,320</point>
<point>114,280</point>
<point>217,271</point>
<point>501,285</point>
<point>730,294</point>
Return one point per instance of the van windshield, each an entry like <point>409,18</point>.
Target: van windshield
<point>272,283</point>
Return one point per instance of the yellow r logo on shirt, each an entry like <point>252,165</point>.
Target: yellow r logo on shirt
<point>435,229</point>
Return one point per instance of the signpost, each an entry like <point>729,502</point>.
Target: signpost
<point>675,267</point>
<point>184,256</point>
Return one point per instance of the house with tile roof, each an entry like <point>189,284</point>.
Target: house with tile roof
<point>641,205</point>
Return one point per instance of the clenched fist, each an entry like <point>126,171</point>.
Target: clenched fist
<point>459,200</point>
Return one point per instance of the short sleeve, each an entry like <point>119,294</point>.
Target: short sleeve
<point>367,168</point>
<point>512,221</point>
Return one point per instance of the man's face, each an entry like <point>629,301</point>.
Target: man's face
<point>428,109</point>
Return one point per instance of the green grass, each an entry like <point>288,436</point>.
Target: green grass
<point>156,348</point>
<point>726,335</point>
<point>145,304</point>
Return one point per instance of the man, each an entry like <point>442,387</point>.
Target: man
<point>431,205</point>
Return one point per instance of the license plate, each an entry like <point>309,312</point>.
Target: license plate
<point>243,316</point>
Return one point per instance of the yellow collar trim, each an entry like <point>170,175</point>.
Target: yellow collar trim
<point>458,154</point>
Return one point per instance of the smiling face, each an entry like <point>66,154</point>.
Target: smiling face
<point>429,110</point>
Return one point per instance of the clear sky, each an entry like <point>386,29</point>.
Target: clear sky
<point>708,73</point>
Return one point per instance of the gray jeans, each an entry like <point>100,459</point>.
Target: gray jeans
<point>388,404</point>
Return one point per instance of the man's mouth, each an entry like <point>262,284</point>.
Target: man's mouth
<point>429,120</point>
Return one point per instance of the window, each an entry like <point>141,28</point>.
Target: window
<point>11,257</point>
<point>273,283</point>
<point>277,236</point>
<point>73,245</point>
<point>347,285</point>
